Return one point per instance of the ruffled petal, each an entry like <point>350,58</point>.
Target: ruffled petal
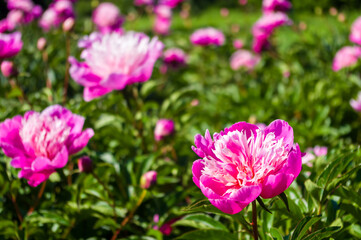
<point>197,171</point>
<point>79,142</point>
<point>115,81</point>
<point>281,129</point>
<point>276,184</point>
<point>91,93</point>
<point>82,74</point>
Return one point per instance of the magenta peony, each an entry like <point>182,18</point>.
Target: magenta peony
<point>207,36</point>
<point>244,162</point>
<point>245,59</point>
<point>8,69</point>
<point>346,57</point>
<point>355,35</point>
<point>56,14</point>
<point>238,43</point>
<point>175,57</point>
<point>85,164</point>
<point>143,2</point>
<point>264,27</point>
<point>10,44</point>
<point>356,103</point>
<point>276,5</point>
<point>163,128</point>
<point>107,17</point>
<point>113,61</point>
<point>22,12</point>
<point>39,143</point>
<point>163,19</point>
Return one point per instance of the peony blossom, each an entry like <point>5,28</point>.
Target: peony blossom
<point>356,103</point>
<point>238,43</point>
<point>143,2</point>
<point>163,19</point>
<point>170,3</point>
<point>276,5</point>
<point>175,57</point>
<point>320,151</point>
<point>307,158</point>
<point>355,35</point>
<point>113,61</point>
<point>10,44</point>
<point>56,14</point>
<point>163,128</point>
<point>21,12</point>
<point>8,69</point>
<point>346,57</point>
<point>148,179</point>
<point>41,44</point>
<point>244,162</point>
<point>207,36</point>
<point>245,59</point>
<point>40,143</point>
<point>265,26</point>
<point>107,17</point>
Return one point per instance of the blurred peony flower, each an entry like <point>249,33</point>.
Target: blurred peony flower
<point>56,14</point>
<point>276,6</point>
<point>22,12</point>
<point>355,35</point>
<point>224,12</point>
<point>10,44</point>
<point>243,2</point>
<point>148,179</point>
<point>8,69</point>
<point>356,103</point>
<point>341,17</point>
<point>107,17</point>
<point>244,162</point>
<point>238,43</point>
<point>207,36</point>
<point>345,57</point>
<point>39,143</point>
<point>113,61</point>
<point>143,2</point>
<point>307,158</point>
<point>264,27</point>
<point>245,59</point>
<point>85,164</point>
<point>170,3</point>
<point>320,151</point>
<point>41,44</point>
<point>175,58</point>
<point>163,128</point>
<point>166,228</point>
<point>333,11</point>
<point>163,19</point>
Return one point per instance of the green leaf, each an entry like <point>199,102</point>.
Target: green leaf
<point>209,235</point>
<point>200,221</point>
<point>276,234</point>
<point>303,226</point>
<point>261,203</point>
<point>106,223</point>
<point>284,199</point>
<point>314,190</point>
<point>322,233</point>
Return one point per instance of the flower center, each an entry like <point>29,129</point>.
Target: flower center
<point>243,160</point>
<point>44,134</point>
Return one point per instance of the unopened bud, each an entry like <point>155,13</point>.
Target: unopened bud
<point>68,24</point>
<point>8,69</point>
<point>148,179</point>
<point>85,164</point>
<point>41,44</point>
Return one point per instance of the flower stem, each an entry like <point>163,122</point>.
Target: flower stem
<point>40,194</point>
<point>254,220</point>
<point>13,199</point>
<point>46,71</point>
<point>66,78</point>
<point>130,216</point>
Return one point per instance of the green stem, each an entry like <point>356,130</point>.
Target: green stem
<point>254,220</point>
<point>40,194</point>
<point>130,216</point>
<point>67,66</point>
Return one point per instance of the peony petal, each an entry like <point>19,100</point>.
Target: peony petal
<point>21,162</point>
<point>41,164</point>
<point>228,206</point>
<point>276,184</point>
<point>61,159</point>
<point>82,74</point>
<point>116,81</point>
<point>80,141</point>
<point>91,93</point>
<point>240,126</point>
<point>197,171</point>
<point>281,129</point>
<point>246,194</point>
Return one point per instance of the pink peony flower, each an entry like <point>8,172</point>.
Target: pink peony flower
<point>175,57</point>
<point>320,151</point>
<point>22,11</point>
<point>346,57</point>
<point>264,27</point>
<point>148,179</point>
<point>244,162</point>
<point>85,164</point>
<point>8,69</point>
<point>243,2</point>
<point>238,43</point>
<point>68,24</point>
<point>56,14</point>
<point>162,25</point>
<point>276,5</point>
<point>244,58</point>
<point>41,44</point>
<point>207,36</point>
<point>355,35</point>
<point>170,3</point>
<point>114,61</point>
<point>224,12</point>
<point>356,103</point>
<point>143,2</point>
<point>307,158</point>
<point>163,128</point>
<point>107,17</point>
<point>10,44</point>
<point>39,143</point>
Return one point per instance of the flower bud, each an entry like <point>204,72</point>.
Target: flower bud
<point>8,69</point>
<point>148,179</point>
<point>68,24</point>
<point>41,44</point>
<point>164,127</point>
<point>85,164</point>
